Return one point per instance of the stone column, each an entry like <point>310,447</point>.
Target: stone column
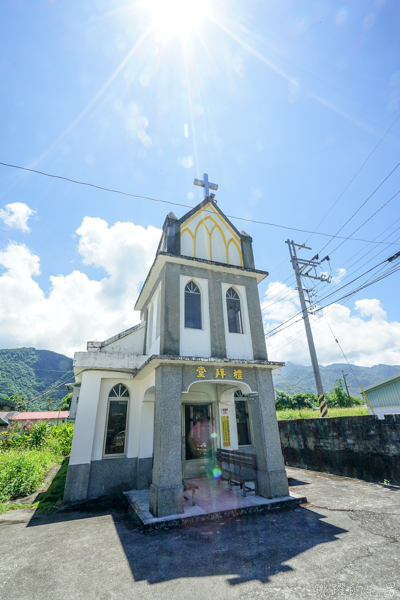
<point>217,327</point>
<point>166,490</point>
<point>272,479</point>
<point>170,313</point>
<point>76,485</point>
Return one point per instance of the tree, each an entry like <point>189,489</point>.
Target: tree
<point>339,394</point>
<point>283,400</point>
<point>18,402</point>
<point>301,401</point>
<point>66,402</point>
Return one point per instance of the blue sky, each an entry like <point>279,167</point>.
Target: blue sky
<point>281,102</point>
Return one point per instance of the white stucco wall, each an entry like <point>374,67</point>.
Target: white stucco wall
<point>238,345</point>
<point>147,416</point>
<point>74,404</point>
<point>381,411</point>
<point>133,343</point>
<point>86,417</point>
<point>133,421</point>
<point>89,435</point>
<point>153,325</point>
<point>195,342</point>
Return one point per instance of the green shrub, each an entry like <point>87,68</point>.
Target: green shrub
<point>60,438</point>
<point>22,471</point>
<point>283,401</point>
<point>42,435</point>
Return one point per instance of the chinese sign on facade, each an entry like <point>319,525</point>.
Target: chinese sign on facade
<point>226,434</point>
<point>219,373</point>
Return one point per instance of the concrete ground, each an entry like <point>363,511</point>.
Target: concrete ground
<point>343,543</point>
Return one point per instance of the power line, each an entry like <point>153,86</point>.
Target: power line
<point>353,178</point>
<point>99,187</point>
<point>390,271</point>
<point>354,375</point>
<point>315,288</point>
<point>360,207</point>
<point>366,221</point>
<point>284,343</point>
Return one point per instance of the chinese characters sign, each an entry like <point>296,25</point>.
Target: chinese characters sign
<point>226,434</point>
<point>219,373</point>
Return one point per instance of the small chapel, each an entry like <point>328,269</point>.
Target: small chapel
<point>153,404</point>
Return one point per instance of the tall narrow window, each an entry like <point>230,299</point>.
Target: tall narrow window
<point>115,442</point>
<point>242,419</point>
<point>234,312</point>
<point>192,306</point>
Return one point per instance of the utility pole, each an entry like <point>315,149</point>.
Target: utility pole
<point>303,268</point>
<point>347,387</point>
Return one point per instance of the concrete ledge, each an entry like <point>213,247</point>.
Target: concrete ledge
<point>138,501</point>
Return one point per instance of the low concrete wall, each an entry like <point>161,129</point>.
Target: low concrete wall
<point>363,447</point>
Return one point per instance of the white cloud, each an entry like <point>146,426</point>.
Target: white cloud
<point>16,215</point>
<point>76,309</point>
<point>364,332</point>
<point>340,274</point>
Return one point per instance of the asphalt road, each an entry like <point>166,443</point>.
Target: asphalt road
<point>343,544</point>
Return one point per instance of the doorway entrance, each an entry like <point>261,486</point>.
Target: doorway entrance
<point>198,439</point>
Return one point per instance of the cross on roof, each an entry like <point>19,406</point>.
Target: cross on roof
<point>205,184</point>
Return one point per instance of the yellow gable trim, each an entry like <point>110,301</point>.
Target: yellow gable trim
<point>193,239</point>
<point>216,225</point>
<point>210,235</point>
<point>232,241</point>
<point>209,205</point>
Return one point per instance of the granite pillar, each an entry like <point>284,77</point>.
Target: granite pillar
<point>166,490</point>
<point>272,479</point>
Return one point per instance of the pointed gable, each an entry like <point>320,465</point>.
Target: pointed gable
<point>207,233</point>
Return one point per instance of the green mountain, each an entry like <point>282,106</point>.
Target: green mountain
<point>298,378</point>
<point>31,373</point>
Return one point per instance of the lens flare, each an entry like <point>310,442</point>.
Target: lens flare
<point>217,473</point>
<point>178,16</point>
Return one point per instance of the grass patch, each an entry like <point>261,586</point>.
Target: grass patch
<point>48,501</point>
<point>51,500</point>
<point>22,471</point>
<point>308,413</point>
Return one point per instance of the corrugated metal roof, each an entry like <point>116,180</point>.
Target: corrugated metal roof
<point>50,414</point>
<point>382,382</point>
<point>385,392</point>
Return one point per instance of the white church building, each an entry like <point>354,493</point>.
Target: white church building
<point>152,404</point>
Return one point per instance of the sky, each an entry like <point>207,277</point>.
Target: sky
<point>291,106</point>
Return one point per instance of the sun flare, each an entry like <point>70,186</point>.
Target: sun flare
<point>178,16</point>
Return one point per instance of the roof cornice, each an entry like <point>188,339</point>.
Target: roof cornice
<point>164,257</point>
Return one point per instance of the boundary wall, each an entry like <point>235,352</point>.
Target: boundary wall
<point>364,447</point>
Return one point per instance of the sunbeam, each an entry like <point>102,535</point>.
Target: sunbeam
<point>96,97</point>
<point>178,16</point>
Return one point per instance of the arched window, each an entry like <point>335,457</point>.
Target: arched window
<point>192,306</point>
<point>242,419</point>
<point>115,441</point>
<point>234,312</point>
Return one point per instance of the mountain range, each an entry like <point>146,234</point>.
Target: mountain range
<point>299,378</point>
<point>31,373</point>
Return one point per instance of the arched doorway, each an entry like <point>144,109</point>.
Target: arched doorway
<point>209,422</point>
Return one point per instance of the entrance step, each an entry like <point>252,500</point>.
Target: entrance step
<point>138,501</point>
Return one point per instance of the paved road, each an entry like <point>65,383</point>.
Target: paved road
<point>343,543</point>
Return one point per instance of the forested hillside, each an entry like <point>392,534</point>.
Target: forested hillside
<point>299,379</point>
<point>31,372</point>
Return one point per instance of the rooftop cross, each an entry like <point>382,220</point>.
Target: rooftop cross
<point>205,184</point>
